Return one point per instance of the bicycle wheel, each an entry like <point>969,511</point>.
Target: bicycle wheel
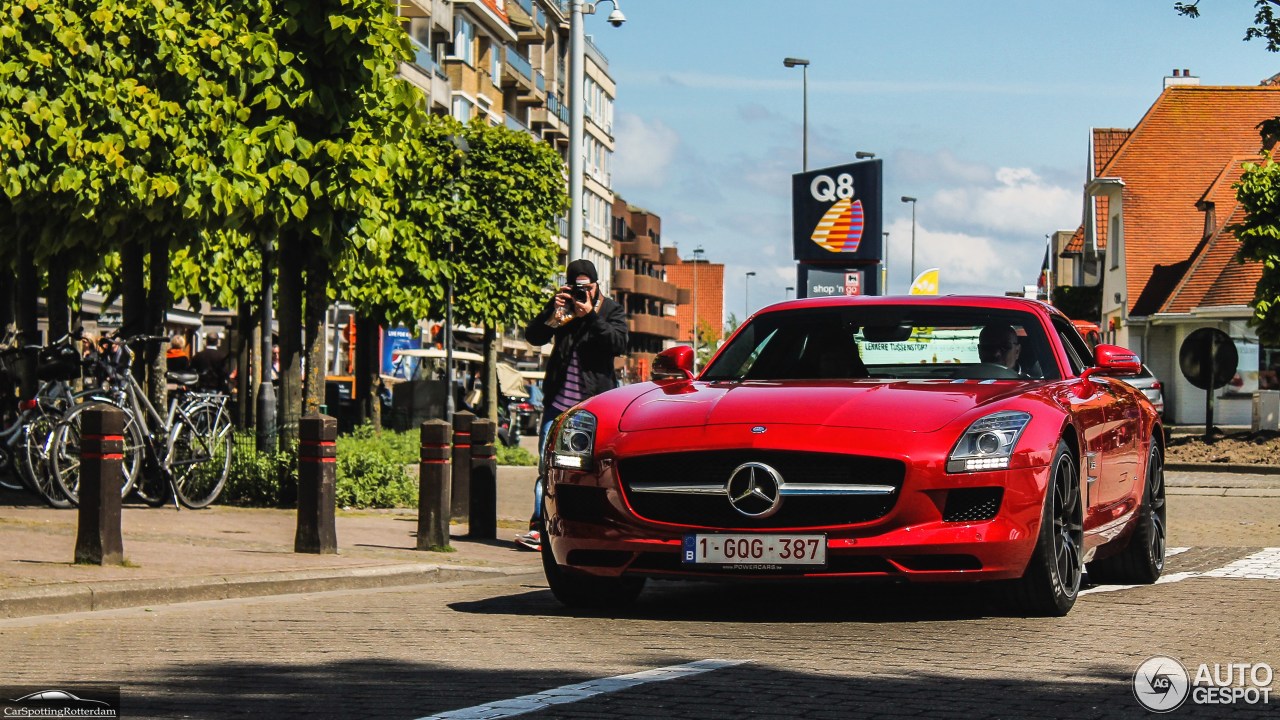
<point>64,452</point>
<point>200,455</point>
<point>36,469</point>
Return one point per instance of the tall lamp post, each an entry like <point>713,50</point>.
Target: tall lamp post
<point>266,388</point>
<point>786,293</point>
<point>697,260</point>
<point>884,266</point>
<point>461,148</point>
<point>577,81</point>
<point>803,64</point>
<point>746,289</point>
<point>909,199</point>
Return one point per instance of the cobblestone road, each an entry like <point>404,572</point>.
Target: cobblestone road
<point>834,651</point>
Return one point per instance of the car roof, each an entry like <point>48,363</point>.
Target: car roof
<point>992,302</point>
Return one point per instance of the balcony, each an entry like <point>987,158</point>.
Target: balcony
<point>422,56</point>
<point>624,281</point>
<point>655,288</point>
<point>653,325</point>
<point>517,74</point>
<point>670,256</point>
<point>513,123</point>
<point>642,247</point>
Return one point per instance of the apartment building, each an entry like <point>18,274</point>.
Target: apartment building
<point>640,285</point>
<point>507,62</point>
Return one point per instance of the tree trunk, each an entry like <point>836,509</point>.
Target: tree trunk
<point>317,307</point>
<point>133,294</point>
<point>157,306</point>
<point>289,302</point>
<point>240,346</point>
<point>368,379</point>
<point>56,299</point>
<point>26,290</point>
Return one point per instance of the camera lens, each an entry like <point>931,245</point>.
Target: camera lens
<point>579,294</point>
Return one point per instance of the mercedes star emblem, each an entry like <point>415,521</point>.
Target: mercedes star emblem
<point>755,490</point>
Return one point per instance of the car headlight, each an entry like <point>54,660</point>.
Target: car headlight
<point>988,442</point>
<point>575,439</point>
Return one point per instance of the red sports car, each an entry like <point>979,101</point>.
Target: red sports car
<point>920,439</point>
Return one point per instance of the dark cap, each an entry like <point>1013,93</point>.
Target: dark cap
<point>581,267</point>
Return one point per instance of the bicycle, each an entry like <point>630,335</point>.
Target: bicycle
<point>188,448</point>
<point>31,429</point>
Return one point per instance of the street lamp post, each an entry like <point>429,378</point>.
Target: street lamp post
<point>884,266</point>
<point>746,288</point>
<point>577,82</point>
<point>909,199</point>
<point>697,260</point>
<point>266,388</point>
<point>804,127</point>
<point>786,295</point>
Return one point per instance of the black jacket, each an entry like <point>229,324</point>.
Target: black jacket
<point>597,338</point>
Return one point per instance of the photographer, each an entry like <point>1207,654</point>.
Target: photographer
<point>588,330</point>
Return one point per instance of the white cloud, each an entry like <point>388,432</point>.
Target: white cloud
<point>967,263</point>
<point>645,152</point>
<point>1018,202</point>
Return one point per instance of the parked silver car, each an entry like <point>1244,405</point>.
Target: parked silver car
<point>1150,386</point>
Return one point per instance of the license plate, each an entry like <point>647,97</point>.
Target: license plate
<point>756,551</point>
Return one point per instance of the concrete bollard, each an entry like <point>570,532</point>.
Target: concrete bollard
<point>433,485</point>
<point>482,520</point>
<point>98,538</point>
<point>317,471</point>
<point>460,492</point>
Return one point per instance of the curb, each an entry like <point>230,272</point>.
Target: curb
<point>1224,468</point>
<point>91,596</point>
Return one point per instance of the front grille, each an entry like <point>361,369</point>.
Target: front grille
<point>713,469</point>
<point>972,504</point>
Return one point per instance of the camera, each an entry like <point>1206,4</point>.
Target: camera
<point>580,292</point>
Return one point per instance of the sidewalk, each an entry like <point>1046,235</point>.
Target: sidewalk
<point>223,552</point>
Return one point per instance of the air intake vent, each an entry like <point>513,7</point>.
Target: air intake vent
<point>972,504</point>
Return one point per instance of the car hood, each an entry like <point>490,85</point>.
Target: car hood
<point>906,405</point>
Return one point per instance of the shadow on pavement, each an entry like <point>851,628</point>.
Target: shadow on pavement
<point>394,689</point>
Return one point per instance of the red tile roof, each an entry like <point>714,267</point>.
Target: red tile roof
<point>1168,163</point>
<point>1105,143</point>
<point>1214,279</point>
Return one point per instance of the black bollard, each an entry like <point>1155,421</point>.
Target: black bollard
<point>460,493</point>
<point>98,538</point>
<point>433,486</point>
<point>482,521</point>
<point>317,459</point>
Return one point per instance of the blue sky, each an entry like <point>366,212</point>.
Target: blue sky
<point>980,110</point>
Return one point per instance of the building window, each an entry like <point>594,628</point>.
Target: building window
<point>1113,242</point>
<point>495,63</point>
<point>463,108</point>
<point>464,40</point>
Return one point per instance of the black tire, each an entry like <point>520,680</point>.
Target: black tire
<point>1052,579</point>
<point>64,454</point>
<point>1141,562</point>
<point>587,591</point>
<point>201,457</point>
<point>37,472</point>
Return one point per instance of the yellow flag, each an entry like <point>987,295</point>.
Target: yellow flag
<point>926,283</point>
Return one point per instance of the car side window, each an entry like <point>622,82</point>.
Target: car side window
<point>1078,354</point>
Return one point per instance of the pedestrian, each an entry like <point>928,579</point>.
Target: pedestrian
<point>211,364</point>
<point>588,331</point>
<point>176,357</point>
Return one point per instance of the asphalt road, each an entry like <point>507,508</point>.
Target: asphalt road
<point>701,650</point>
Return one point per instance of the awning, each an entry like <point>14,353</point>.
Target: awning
<point>510,382</point>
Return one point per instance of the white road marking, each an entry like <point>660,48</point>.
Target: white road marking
<point>581,691</point>
<point>1175,577</point>
<point>1262,565</point>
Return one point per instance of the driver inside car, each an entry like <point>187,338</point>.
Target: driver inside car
<point>998,344</point>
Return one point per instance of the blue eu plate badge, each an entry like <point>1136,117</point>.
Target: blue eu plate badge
<point>690,546</point>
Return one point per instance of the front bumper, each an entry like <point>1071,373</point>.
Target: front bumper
<point>593,527</point>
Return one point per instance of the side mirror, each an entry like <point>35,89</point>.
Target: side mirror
<point>1112,360</point>
<point>673,364</point>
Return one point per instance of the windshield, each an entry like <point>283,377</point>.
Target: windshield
<point>888,342</point>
